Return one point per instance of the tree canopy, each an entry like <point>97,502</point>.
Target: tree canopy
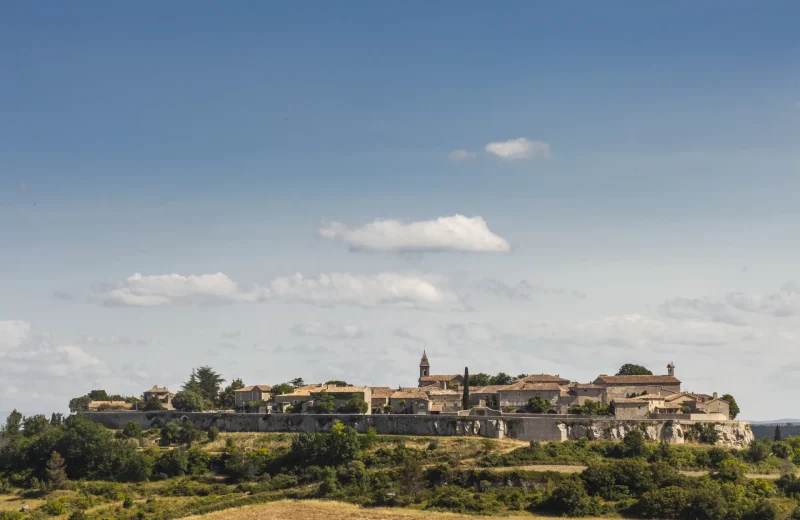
<point>189,401</point>
<point>206,382</point>
<point>734,408</point>
<point>629,369</point>
<point>227,398</point>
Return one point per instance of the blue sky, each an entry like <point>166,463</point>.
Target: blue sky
<point>650,218</point>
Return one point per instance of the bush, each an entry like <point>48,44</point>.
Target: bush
<point>175,463</point>
<point>782,450</point>
<point>54,507</point>
<point>570,498</point>
<point>127,502</point>
<point>759,450</point>
<point>78,515</point>
<point>764,510</point>
<point>730,470</point>
<point>213,433</point>
<point>170,434</point>
<point>633,444</point>
<point>668,503</point>
<point>132,430</point>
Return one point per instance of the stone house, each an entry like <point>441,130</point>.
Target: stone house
<point>163,395</point>
<point>588,392</point>
<point>486,396</point>
<point>298,396</point>
<point>630,408</point>
<point>380,398</point>
<point>409,401</point>
<point>699,403</point>
<point>519,394</point>
<point>545,378</point>
<point>626,386</point>
<point>249,394</point>
<point>444,401</point>
<point>342,394</point>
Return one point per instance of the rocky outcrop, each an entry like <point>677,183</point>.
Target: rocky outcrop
<point>525,428</point>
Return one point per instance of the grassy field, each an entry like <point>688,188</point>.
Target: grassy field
<point>326,510</point>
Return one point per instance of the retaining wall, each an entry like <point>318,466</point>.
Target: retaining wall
<point>526,428</point>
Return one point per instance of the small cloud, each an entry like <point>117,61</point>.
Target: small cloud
<point>232,335</point>
<point>229,346</point>
<point>696,309</point>
<point>62,295</point>
<point>445,234</point>
<point>330,330</point>
<point>525,291</point>
<point>782,304</point>
<point>519,149</point>
<point>461,155</point>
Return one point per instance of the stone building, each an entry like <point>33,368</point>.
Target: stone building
<point>545,378</point>
<point>380,398</point>
<point>519,394</point>
<point>252,394</point>
<point>628,386</point>
<point>163,395</point>
<point>444,401</point>
<point>442,381</point>
<point>630,408</point>
<point>409,400</point>
<point>585,392</point>
<point>299,396</point>
<point>343,394</point>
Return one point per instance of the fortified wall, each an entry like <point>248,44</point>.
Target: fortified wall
<point>526,428</point>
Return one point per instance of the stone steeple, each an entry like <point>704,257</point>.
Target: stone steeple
<point>424,366</point>
<point>671,369</point>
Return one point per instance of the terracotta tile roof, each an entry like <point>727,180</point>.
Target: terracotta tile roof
<point>543,378</point>
<point>626,400</point>
<point>650,397</point>
<point>636,380</point>
<point>440,377</point>
<point>587,386</point>
<point>331,389</point>
<point>542,387</point>
<point>381,392</point>
<point>406,394</point>
<point>263,388</point>
<point>670,406</point>
<point>436,407</point>
<point>442,392</point>
<point>94,405</point>
<point>491,389</point>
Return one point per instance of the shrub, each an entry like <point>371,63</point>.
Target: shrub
<point>764,510</point>
<point>213,433</point>
<point>132,430</point>
<point>127,502</point>
<point>78,515</point>
<point>730,470</point>
<point>759,450</point>
<point>782,450</point>
<point>54,507</point>
<point>175,463</point>
<point>170,434</point>
<point>669,502</point>
<point>571,499</point>
<point>633,444</point>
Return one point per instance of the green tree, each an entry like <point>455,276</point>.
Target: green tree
<point>634,443</point>
<point>175,463</point>
<point>227,398</point>
<point>85,446</point>
<point>297,382</point>
<point>731,470</point>
<point>537,404</point>
<point>213,433</point>
<point>80,404</point>
<point>56,419</point>
<point>571,499</point>
<point>501,379</point>
<point>153,405</point>
<point>325,403</point>
<point>56,471</point>
<point>35,425</point>
<point>629,369</point>
<point>355,404</point>
<point>132,430</point>
<point>13,423</point>
<point>782,450</point>
<point>170,434</point>
<point>734,408</point>
<point>480,379</point>
<point>188,401</point>
<point>98,395</point>
<point>208,383</point>
<point>281,389</point>
<point>777,436</point>
<point>336,382</point>
<point>465,396</point>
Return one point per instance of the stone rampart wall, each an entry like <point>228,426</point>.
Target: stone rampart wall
<point>524,428</point>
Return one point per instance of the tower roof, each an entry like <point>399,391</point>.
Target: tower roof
<point>424,361</point>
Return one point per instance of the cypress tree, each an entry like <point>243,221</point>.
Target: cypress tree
<point>56,471</point>
<point>465,398</point>
<point>778,435</point>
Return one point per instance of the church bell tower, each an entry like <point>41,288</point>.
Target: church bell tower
<point>424,366</point>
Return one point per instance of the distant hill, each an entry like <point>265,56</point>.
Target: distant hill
<point>789,428</point>
<point>777,421</point>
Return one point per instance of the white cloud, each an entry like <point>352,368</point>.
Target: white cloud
<point>385,289</point>
<point>109,340</point>
<point>232,335</point>
<point>461,155</point>
<point>445,234</point>
<point>696,309</point>
<point>525,291</point>
<point>782,304</point>
<point>150,291</point>
<point>519,149</point>
<point>29,359</point>
<point>330,330</point>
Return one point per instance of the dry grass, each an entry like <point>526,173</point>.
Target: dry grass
<point>323,510</point>
<point>15,502</point>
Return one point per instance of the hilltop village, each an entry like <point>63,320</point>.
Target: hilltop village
<point>618,396</point>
